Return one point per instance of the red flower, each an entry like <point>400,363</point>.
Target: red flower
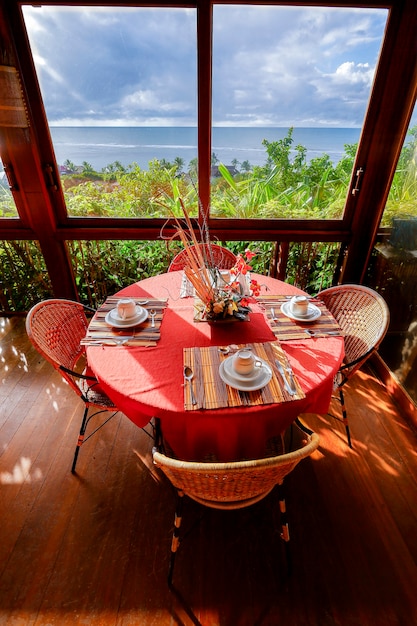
<point>249,254</point>
<point>255,287</point>
<point>241,266</point>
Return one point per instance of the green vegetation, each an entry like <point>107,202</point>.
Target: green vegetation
<point>23,278</point>
<point>402,200</point>
<point>287,186</point>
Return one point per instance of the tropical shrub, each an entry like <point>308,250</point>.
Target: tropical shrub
<point>287,187</point>
<point>22,264</point>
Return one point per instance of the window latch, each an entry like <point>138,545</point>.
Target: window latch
<point>50,177</point>
<point>359,174</point>
<point>11,178</point>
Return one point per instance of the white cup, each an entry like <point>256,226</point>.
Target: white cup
<point>126,308</point>
<point>299,306</point>
<point>244,362</point>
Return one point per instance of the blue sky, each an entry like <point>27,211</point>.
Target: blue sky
<point>272,66</point>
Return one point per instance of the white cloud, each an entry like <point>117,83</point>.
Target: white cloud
<point>352,73</point>
<point>272,65</point>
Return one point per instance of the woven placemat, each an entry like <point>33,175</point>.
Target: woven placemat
<point>212,393</point>
<point>142,335</point>
<point>284,327</point>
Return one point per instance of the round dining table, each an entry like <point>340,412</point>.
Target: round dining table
<point>145,382</point>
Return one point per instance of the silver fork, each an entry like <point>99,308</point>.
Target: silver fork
<point>273,318</point>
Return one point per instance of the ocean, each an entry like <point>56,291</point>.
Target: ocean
<point>100,146</point>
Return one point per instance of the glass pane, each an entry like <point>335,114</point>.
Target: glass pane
<point>119,89</point>
<point>290,90</point>
<point>393,268</point>
<point>7,205</point>
<point>22,263</point>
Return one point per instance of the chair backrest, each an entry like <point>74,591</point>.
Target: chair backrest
<point>216,256</point>
<point>236,484</point>
<point>363,315</point>
<point>55,328</point>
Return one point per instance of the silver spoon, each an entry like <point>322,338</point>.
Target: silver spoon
<point>314,333</point>
<point>226,349</point>
<point>273,318</point>
<point>152,313</point>
<point>188,375</point>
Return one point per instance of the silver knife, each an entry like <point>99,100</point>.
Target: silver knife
<point>282,373</point>
<point>288,369</point>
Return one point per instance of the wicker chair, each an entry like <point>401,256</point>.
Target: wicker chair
<point>232,485</point>
<point>364,317</point>
<point>216,256</point>
<point>55,328</point>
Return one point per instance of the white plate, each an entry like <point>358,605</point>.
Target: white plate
<point>114,320</point>
<point>313,313</point>
<point>263,378</point>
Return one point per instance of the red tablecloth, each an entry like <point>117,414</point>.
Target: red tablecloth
<point>148,381</point>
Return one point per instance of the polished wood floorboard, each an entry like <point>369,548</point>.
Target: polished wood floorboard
<point>93,548</point>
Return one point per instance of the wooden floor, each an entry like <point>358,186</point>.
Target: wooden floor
<point>93,548</point>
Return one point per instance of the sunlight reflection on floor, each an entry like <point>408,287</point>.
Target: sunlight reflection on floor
<point>21,473</point>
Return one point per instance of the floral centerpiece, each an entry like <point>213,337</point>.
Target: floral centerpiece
<point>219,299</point>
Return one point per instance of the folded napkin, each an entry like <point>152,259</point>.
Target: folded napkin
<point>100,333</point>
<point>186,288</point>
<point>284,327</point>
<point>212,393</point>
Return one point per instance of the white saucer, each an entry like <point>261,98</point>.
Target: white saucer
<point>313,313</point>
<point>114,320</point>
<point>262,378</point>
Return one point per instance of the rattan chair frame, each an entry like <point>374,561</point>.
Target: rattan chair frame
<point>232,485</point>
<point>215,256</point>
<point>364,317</point>
<point>55,327</point>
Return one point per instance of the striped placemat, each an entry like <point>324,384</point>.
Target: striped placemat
<point>142,335</point>
<point>212,393</point>
<point>285,328</point>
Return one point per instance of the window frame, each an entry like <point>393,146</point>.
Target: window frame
<point>39,197</point>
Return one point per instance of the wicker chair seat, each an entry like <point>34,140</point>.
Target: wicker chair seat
<point>364,317</point>
<point>232,485</point>
<point>215,255</point>
<point>55,328</point>
<point>93,393</point>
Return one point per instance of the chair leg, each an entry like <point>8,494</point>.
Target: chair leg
<point>345,418</point>
<point>285,532</point>
<point>175,536</point>
<point>80,439</point>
